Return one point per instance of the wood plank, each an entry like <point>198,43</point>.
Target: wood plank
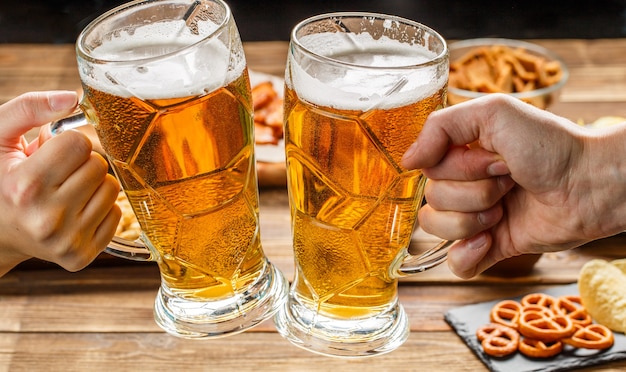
<point>424,351</point>
<point>244,352</point>
<point>110,299</point>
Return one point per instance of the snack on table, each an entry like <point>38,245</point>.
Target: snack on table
<point>607,121</point>
<point>507,313</point>
<point>268,127</point>
<point>540,325</point>
<point>592,336</point>
<point>539,349</point>
<point>268,114</point>
<point>503,66</point>
<point>602,287</point>
<point>499,68</point>
<point>498,340</point>
<point>128,227</point>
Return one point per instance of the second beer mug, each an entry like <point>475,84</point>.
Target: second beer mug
<point>166,87</point>
<point>359,87</point>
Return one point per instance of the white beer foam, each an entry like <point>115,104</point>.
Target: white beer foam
<point>362,88</point>
<point>182,74</point>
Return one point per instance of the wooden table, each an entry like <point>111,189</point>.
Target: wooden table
<point>101,317</point>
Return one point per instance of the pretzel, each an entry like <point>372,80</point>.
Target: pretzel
<point>507,313</point>
<point>592,336</point>
<point>541,326</point>
<point>572,307</point>
<point>540,299</point>
<point>537,308</point>
<point>546,324</point>
<point>498,340</point>
<point>539,349</point>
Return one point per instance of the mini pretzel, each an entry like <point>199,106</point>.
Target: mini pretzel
<point>592,336</point>
<point>507,313</point>
<point>498,340</point>
<point>543,327</point>
<point>537,309</point>
<point>540,299</point>
<point>572,307</point>
<point>539,349</point>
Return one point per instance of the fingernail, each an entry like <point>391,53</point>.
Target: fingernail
<point>498,168</point>
<point>505,183</point>
<point>489,217</point>
<point>477,241</point>
<point>410,152</point>
<point>62,100</point>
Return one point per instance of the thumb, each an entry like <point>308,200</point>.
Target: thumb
<point>31,110</point>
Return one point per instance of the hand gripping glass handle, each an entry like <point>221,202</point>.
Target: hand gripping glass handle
<point>132,250</point>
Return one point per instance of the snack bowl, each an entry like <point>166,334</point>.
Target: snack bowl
<point>521,69</point>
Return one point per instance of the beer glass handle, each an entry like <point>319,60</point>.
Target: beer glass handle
<point>130,250</point>
<point>119,247</point>
<point>75,120</point>
<point>413,264</point>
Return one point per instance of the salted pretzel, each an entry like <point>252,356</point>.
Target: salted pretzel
<point>572,307</point>
<point>498,340</point>
<point>507,313</point>
<point>545,327</point>
<point>592,336</point>
<point>539,349</point>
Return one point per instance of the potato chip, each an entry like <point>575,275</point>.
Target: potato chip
<point>602,287</point>
<point>620,264</point>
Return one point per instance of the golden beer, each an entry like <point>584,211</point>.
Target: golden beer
<point>353,205</point>
<point>358,90</point>
<point>166,87</point>
<point>186,165</point>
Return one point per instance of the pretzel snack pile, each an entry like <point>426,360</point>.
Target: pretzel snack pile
<point>539,326</point>
<point>503,69</point>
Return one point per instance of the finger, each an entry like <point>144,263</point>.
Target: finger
<point>466,258</point>
<point>458,225</point>
<point>98,223</point>
<point>464,196</point>
<point>80,185</point>
<point>58,158</point>
<point>106,230</point>
<point>33,109</point>
<point>467,164</point>
<point>100,203</point>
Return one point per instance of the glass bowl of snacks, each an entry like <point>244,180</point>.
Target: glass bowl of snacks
<point>521,69</point>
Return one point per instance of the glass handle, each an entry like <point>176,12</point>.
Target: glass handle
<point>130,250</point>
<point>119,247</point>
<point>75,120</point>
<point>412,264</point>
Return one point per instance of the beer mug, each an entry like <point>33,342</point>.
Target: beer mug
<point>166,87</point>
<point>358,88</point>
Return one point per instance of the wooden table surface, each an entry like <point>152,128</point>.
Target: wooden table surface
<point>101,317</point>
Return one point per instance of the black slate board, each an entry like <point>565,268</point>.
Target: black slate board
<point>466,320</point>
